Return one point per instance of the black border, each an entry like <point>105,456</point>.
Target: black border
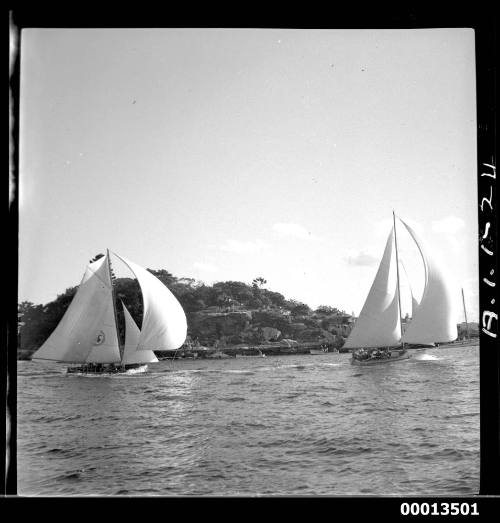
<point>489,352</point>
<point>484,24</point>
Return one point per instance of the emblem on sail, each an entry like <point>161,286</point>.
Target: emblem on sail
<point>88,331</point>
<point>100,338</point>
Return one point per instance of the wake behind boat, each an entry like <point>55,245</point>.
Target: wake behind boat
<point>88,332</point>
<point>377,336</point>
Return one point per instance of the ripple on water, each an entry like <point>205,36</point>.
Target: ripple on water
<point>296,425</point>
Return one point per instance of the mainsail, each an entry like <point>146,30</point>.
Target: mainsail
<point>164,325</point>
<point>379,322</point>
<point>87,331</point>
<point>132,335</point>
<point>434,320</point>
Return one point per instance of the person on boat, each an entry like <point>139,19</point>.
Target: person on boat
<point>362,354</point>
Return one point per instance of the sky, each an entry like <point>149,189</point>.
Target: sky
<point>227,154</point>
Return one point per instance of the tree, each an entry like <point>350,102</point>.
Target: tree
<point>258,282</point>
<point>301,309</point>
<point>276,299</point>
<point>326,309</point>
<point>236,290</point>
<point>164,276</point>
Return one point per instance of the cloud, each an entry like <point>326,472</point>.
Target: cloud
<point>362,259</point>
<point>448,225</point>
<point>293,230</point>
<point>243,246</point>
<point>208,267</point>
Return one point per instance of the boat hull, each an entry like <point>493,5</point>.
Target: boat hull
<point>378,361</point>
<point>106,370</point>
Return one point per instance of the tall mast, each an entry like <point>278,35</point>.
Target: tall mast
<point>114,305</point>
<point>465,314</point>
<point>397,276</point>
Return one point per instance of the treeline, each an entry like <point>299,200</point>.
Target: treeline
<point>38,321</point>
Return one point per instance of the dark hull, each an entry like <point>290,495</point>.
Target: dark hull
<point>105,369</point>
<point>378,361</point>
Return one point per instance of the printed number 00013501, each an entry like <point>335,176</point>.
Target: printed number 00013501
<point>439,509</point>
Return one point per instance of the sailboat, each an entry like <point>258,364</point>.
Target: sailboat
<point>88,332</point>
<point>378,336</point>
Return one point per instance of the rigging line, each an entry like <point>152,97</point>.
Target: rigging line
<point>175,353</point>
<point>465,314</point>
<point>114,307</point>
<point>397,275</point>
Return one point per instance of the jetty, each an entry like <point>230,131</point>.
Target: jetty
<point>283,347</point>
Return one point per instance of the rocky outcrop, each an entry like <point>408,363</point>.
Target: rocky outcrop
<point>208,327</point>
<point>257,327</point>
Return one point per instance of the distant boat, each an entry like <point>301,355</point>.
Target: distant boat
<point>377,336</point>
<point>88,332</point>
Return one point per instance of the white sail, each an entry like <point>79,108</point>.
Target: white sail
<point>434,320</point>
<point>414,306</point>
<point>87,331</point>
<point>414,301</point>
<point>132,335</point>
<point>379,323</point>
<point>164,325</point>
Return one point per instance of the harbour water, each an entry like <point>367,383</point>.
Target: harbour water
<point>290,425</point>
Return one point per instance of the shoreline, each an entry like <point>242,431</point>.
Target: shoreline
<point>267,349</point>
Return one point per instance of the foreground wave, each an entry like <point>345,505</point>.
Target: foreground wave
<point>292,425</point>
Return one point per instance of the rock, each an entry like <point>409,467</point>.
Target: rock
<point>270,333</point>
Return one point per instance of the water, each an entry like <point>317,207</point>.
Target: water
<point>291,425</point>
